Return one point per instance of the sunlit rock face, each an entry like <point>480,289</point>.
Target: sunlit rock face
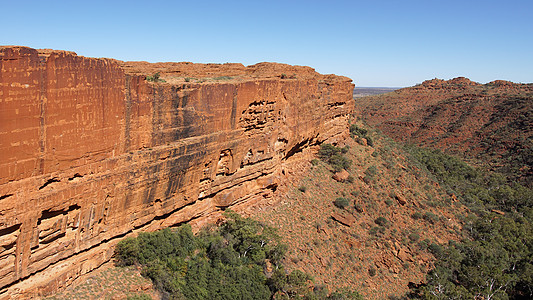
<point>90,151</point>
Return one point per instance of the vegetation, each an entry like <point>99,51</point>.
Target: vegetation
<point>227,262</point>
<point>356,131</point>
<point>334,156</point>
<point>222,78</point>
<point>494,261</point>
<point>155,78</point>
<point>341,202</point>
<point>381,221</point>
<point>139,297</point>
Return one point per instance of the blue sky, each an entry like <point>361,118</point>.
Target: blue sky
<point>376,43</point>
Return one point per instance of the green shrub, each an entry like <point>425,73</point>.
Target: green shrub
<point>371,172</point>
<point>377,230</point>
<point>302,188</point>
<point>334,157</point>
<point>314,161</point>
<point>417,215</point>
<point>226,262</point>
<point>436,249</point>
<point>381,221</point>
<point>361,133</point>
<point>154,78</point>
<point>369,141</point>
<point>423,244</point>
<point>341,202</point>
<point>223,78</point>
<point>357,131</point>
<point>431,217</point>
<point>139,297</point>
<point>494,259</point>
<point>414,237</point>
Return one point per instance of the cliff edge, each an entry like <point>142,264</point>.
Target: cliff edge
<point>91,151</point>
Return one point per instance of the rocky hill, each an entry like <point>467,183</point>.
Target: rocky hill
<point>489,124</point>
<point>93,150</point>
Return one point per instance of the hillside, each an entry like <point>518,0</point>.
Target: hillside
<point>395,215</point>
<point>490,124</point>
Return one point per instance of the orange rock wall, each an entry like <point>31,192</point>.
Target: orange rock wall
<point>90,153</point>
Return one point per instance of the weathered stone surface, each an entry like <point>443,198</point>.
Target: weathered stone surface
<point>91,152</point>
<point>341,176</point>
<point>401,199</point>
<point>347,220</point>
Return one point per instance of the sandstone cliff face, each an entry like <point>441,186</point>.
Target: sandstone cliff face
<point>90,151</point>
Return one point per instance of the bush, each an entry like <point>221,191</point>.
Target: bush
<point>334,157</point>
<point>341,202</point>
<point>357,131</point>
<point>414,237</point>
<point>377,230</point>
<point>154,78</point>
<point>494,259</point>
<point>431,217</point>
<point>302,188</point>
<point>423,244</point>
<point>371,172</point>
<point>436,249</point>
<point>361,133</point>
<point>139,297</point>
<point>369,141</point>
<point>417,215</point>
<point>381,221</point>
<point>226,262</point>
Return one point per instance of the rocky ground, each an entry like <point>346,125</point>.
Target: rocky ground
<point>347,247</point>
<point>376,245</point>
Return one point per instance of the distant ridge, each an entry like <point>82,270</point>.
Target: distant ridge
<point>359,92</point>
<point>491,122</point>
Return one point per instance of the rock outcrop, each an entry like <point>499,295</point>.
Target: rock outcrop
<point>90,151</point>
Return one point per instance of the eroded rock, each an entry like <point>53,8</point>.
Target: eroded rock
<point>91,152</point>
<point>341,176</point>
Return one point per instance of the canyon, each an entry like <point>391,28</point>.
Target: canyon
<point>93,150</point>
<point>487,124</point>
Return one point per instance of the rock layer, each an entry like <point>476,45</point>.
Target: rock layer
<point>91,152</point>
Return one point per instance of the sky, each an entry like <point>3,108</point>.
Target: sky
<point>375,43</point>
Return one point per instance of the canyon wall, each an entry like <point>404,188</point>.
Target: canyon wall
<point>90,151</point>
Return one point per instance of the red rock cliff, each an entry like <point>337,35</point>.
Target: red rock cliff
<point>90,151</point>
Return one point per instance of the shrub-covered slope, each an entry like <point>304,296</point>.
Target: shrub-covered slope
<point>491,123</point>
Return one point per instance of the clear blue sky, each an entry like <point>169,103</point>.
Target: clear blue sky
<point>376,43</point>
